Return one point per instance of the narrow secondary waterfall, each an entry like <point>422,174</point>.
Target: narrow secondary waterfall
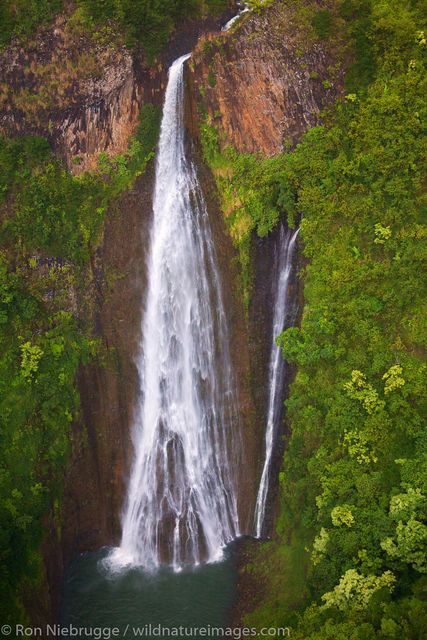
<point>181,503</point>
<point>234,19</point>
<point>284,317</point>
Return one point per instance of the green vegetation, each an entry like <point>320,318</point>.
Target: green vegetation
<point>348,558</point>
<point>21,17</point>
<point>322,22</point>
<point>249,193</point>
<point>147,131</point>
<point>42,345</point>
<point>146,22</point>
<point>50,226</point>
<point>211,77</point>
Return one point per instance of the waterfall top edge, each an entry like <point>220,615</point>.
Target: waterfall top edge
<point>179,61</point>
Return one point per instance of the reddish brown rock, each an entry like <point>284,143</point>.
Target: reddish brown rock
<point>265,82</point>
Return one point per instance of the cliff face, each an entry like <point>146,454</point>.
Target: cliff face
<point>71,88</point>
<point>82,89</point>
<point>265,81</point>
<point>247,465</point>
<point>95,482</point>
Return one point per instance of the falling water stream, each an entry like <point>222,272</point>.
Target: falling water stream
<point>181,505</point>
<point>284,316</point>
<point>243,8</point>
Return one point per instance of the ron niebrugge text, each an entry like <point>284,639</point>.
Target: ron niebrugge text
<point>145,631</point>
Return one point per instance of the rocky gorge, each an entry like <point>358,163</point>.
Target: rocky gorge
<point>262,84</point>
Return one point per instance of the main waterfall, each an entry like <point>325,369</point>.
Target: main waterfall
<point>284,316</point>
<point>181,505</point>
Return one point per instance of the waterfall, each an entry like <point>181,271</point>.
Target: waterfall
<point>181,503</point>
<point>284,316</point>
<point>230,23</point>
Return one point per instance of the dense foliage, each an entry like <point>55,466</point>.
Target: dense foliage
<point>148,22</point>
<point>41,345</point>
<point>352,536</point>
<point>249,190</point>
<point>50,225</point>
<point>21,17</point>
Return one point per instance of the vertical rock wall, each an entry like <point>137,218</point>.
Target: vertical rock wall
<point>266,81</point>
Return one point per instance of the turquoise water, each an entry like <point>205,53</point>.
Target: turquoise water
<point>196,597</point>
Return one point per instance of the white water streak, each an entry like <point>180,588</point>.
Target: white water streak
<point>234,19</point>
<point>287,242</point>
<point>181,505</point>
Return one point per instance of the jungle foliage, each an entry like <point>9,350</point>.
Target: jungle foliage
<point>349,556</point>
<point>49,227</point>
<point>145,22</point>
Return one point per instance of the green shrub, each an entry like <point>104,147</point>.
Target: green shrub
<point>322,23</point>
<point>148,129</point>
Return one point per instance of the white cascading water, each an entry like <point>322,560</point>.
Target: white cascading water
<point>181,504</point>
<point>281,320</point>
<point>234,19</point>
